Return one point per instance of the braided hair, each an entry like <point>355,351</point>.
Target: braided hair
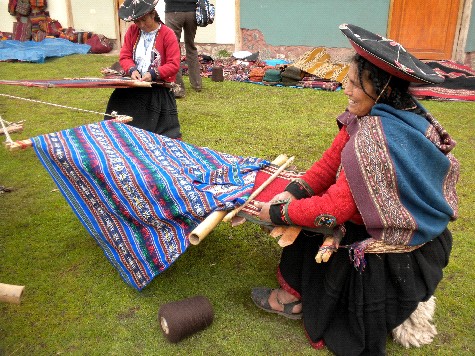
<point>397,96</point>
<point>156,17</point>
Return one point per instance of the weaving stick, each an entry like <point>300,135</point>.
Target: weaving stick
<point>10,293</point>
<point>269,180</point>
<point>213,219</point>
<point>136,83</point>
<point>22,144</point>
<point>7,135</point>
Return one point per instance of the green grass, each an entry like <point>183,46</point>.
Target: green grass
<point>75,302</point>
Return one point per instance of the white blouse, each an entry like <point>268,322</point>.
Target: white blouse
<point>143,51</point>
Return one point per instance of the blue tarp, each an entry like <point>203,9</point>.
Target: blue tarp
<point>31,51</point>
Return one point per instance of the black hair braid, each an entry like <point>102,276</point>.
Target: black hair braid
<point>156,17</point>
<point>398,97</point>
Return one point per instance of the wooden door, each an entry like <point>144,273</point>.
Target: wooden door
<point>426,28</point>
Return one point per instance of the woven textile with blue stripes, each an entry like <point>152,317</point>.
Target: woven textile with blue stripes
<point>139,194</point>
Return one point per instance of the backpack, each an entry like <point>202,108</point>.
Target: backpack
<point>204,13</point>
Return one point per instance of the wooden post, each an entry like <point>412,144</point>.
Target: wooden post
<point>117,25</point>
<point>69,11</point>
<point>237,26</point>
<point>10,293</point>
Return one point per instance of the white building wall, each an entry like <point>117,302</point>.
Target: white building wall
<point>99,17</point>
<point>88,15</point>
<point>94,16</point>
<point>222,31</point>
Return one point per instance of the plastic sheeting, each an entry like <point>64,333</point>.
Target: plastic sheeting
<point>37,52</point>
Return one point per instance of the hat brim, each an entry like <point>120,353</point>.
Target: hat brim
<point>389,55</point>
<point>132,10</point>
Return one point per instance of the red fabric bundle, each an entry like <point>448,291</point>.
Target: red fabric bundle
<point>23,7</point>
<point>38,36</point>
<point>38,3</point>
<point>51,27</point>
<point>12,7</point>
<point>99,44</point>
<point>22,31</point>
<point>69,34</point>
<point>36,18</point>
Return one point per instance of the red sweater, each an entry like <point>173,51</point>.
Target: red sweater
<point>165,43</point>
<point>332,195</point>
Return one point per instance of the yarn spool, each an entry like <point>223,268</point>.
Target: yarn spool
<point>217,74</point>
<point>185,317</point>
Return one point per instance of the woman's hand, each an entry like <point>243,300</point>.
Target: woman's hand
<point>264,213</point>
<point>147,77</point>
<point>283,196</point>
<point>136,75</point>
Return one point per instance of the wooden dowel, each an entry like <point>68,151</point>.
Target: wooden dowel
<point>213,219</point>
<point>22,144</point>
<point>10,293</point>
<point>11,128</point>
<point>206,226</point>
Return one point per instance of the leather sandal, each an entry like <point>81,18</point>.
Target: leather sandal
<point>260,297</point>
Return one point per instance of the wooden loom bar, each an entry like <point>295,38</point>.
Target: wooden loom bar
<point>10,293</point>
<point>23,144</point>
<point>213,219</point>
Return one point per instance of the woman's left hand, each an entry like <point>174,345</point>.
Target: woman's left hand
<point>264,213</point>
<point>147,77</point>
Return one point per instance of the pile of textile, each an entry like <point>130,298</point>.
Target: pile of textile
<point>315,69</point>
<point>459,83</point>
<point>34,24</point>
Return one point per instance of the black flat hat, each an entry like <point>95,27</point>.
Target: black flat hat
<point>389,55</point>
<point>131,10</point>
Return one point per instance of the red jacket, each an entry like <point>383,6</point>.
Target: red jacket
<point>165,43</point>
<point>332,195</point>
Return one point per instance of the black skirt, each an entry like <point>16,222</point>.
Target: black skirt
<point>352,311</point>
<point>152,109</point>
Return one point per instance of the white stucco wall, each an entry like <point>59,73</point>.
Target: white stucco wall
<point>88,15</point>
<point>222,31</point>
<point>6,20</point>
<point>99,17</point>
<point>95,16</point>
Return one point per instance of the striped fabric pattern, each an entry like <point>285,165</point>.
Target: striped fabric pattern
<point>139,194</point>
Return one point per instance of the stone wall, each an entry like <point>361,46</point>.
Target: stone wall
<point>253,41</point>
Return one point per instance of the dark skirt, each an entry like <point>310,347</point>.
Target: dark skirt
<point>354,312</point>
<point>152,109</point>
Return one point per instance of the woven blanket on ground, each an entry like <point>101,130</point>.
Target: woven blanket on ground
<point>459,83</point>
<point>319,84</point>
<point>139,194</point>
<point>119,82</point>
<point>318,62</point>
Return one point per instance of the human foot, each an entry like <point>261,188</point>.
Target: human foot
<point>277,301</point>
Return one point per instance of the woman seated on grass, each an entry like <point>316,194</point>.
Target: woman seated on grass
<point>386,186</point>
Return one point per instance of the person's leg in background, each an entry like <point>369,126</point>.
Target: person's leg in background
<point>176,21</point>
<point>194,66</point>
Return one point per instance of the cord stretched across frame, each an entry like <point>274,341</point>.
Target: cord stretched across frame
<point>57,105</point>
<point>14,145</point>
